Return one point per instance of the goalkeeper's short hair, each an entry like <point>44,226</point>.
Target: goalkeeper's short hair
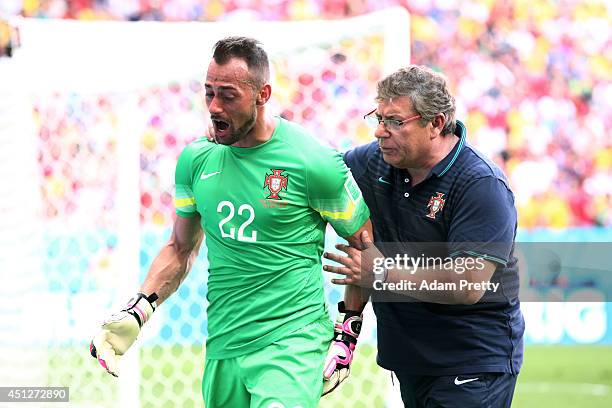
<point>247,49</point>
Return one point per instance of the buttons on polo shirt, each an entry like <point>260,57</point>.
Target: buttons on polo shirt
<point>406,180</point>
<point>406,195</point>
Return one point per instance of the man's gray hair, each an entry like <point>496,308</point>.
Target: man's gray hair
<point>427,91</point>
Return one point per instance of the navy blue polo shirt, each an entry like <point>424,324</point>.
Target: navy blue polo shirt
<point>464,199</point>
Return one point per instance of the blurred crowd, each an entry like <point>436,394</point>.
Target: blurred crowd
<point>533,80</point>
<point>188,10</point>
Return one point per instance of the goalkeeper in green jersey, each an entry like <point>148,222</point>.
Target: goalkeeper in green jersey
<point>263,195</point>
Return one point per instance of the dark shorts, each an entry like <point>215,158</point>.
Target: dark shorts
<point>480,390</point>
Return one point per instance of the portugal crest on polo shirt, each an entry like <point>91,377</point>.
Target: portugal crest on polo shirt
<point>275,183</point>
<point>436,203</point>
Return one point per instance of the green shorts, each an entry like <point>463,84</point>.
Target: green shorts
<point>285,374</point>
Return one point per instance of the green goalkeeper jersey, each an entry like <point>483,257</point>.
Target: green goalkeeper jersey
<point>264,210</point>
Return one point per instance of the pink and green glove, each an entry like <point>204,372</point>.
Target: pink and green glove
<point>338,361</point>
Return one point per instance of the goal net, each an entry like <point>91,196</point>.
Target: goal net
<point>104,110</point>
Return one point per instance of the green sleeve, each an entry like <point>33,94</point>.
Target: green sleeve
<point>334,194</point>
<point>184,199</point>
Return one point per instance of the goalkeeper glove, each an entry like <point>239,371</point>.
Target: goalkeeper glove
<point>120,330</point>
<point>340,354</point>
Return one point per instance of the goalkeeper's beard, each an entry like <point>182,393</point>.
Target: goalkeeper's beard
<point>241,133</point>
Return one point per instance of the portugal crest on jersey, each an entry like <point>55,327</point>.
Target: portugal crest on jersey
<point>275,183</point>
<point>436,203</point>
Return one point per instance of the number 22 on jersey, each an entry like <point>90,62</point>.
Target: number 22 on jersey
<point>245,211</point>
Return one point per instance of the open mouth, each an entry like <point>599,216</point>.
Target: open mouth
<point>220,126</point>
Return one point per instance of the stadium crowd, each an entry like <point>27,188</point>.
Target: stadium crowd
<point>532,77</point>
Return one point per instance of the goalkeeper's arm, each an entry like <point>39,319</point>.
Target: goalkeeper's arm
<point>168,270</point>
<point>174,260</point>
<point>347,327</point>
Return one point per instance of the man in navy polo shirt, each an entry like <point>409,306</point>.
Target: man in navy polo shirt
<point>452,333</point>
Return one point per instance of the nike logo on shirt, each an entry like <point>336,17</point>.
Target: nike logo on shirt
<point>459,382</point>
<point>382,180</point>
<point>204,176</point>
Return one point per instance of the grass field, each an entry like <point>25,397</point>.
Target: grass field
<point>565,376</point>
<point>552,377</point>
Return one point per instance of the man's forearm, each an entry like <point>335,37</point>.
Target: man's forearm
<point>356,298</point>
<point>414,283</point>
<point>450,287</point>
<point>167,272</point>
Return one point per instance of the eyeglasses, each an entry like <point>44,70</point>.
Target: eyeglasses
<point>390,124</point>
